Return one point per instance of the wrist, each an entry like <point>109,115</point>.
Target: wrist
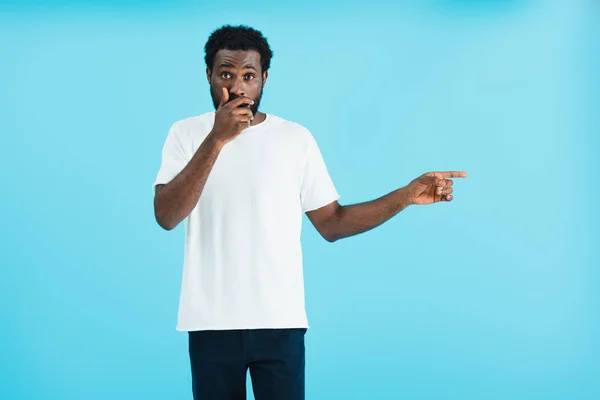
<point>404,197</point>
<point>215,141</point>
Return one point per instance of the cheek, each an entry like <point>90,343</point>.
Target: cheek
<point>254,86</point>
<point>216,92</point>
<point>216,82</point>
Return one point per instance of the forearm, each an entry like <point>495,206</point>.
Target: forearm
<point>358,218</point>
<point>177,199</point>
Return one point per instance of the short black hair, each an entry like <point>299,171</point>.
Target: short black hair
<point>240,37</point>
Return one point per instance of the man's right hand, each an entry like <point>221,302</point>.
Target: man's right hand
<point>230,118</point>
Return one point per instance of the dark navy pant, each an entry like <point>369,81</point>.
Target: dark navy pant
<point>220,361</point>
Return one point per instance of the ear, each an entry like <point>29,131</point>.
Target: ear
<point>265,76</point>
<point>208,73</point>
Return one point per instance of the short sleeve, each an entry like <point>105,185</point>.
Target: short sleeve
<point>317,189</point>
<point>174,158</point>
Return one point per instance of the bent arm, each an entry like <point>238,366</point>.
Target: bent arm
<point>336,222</point>
<point>175,200</point>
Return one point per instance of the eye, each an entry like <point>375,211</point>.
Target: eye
<point>249,76</point>
<point>225,75</point>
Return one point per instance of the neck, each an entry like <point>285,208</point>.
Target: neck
<point>258,118</point>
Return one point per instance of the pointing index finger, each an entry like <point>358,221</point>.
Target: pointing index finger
<point>454,174</point>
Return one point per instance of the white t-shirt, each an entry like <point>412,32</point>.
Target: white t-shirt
<point>242,258</point>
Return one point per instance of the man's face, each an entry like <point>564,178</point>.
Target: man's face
<point>240,72</point>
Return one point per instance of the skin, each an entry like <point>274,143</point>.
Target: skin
<point>236,82</point>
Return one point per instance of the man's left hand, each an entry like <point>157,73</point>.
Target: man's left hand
<point>433,187</point>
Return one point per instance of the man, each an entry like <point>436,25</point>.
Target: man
<point>241,180</point>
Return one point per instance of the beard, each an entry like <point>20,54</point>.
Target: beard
<point>216,99</point>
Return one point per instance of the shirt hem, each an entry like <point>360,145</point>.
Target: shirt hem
<point>237,327</point>
<point>323,204</point>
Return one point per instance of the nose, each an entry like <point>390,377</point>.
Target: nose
<point>237,88</point>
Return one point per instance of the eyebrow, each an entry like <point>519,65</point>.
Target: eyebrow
<point>228,65</point>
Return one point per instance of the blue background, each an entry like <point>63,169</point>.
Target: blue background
<point>492,296</point>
